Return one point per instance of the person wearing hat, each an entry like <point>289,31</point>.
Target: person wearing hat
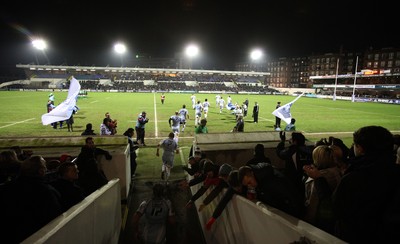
<point>142,120</point>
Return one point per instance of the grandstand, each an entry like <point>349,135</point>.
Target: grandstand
<point>124,79</point>
<point>368,84</point>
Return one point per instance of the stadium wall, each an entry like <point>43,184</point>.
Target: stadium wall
<point>97,219</point>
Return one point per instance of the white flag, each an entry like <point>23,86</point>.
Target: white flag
<point>64,110</point>
<point>283,112</point>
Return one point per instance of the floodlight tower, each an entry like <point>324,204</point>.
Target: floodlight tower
<point>41,45</point>
<point>120,49</point>
<point>191,51</point>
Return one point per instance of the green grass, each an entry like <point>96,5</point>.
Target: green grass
<point>22,111</point>
<point>21,117</point>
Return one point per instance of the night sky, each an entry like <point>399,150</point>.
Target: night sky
<point>84,32</point>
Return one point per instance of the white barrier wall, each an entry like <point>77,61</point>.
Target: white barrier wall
<point>247,222</point>
<point>118,167</point>
<point>97,219</point>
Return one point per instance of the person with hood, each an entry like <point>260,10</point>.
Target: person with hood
<point>259,156</point>
<point>88,131</point>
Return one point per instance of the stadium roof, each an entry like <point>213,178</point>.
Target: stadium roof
<point>134,70</point>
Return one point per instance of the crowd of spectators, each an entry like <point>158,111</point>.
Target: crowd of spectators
<point>35,190</point>
<point>352,193</point>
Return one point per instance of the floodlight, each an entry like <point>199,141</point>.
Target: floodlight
<point>39,44</point>
<point>256,54</point>
<point>192,50</point>
<point>119,48</point>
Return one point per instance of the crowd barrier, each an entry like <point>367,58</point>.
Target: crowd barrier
<point>97,219</point>
<point>246,222</point>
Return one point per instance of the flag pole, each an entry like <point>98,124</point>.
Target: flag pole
<point>337,70</point>
<point>355,79</point>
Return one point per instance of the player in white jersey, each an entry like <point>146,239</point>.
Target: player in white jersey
<point>193,98</point>
<point>198,109</point>
<point>170,147</point>
<point>184,113</point>
<point>217,98</point>
<point>229,100</point>
<point>206,105</point>
<point>221,104</point>
<point>176,122</point>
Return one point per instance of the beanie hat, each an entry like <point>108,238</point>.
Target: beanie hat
<point>225,169</point>
<point>64,157</point>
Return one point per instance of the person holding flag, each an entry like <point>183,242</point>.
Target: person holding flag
<point>283,112</point>
<point>64,110</point>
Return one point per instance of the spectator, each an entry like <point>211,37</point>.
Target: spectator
<point>318,208</point>
<point>142,120</point>
<point>28,203</point>
<point>361,200</point>
<point>259,156</point>
<point>10,166</point>
<point>105,127</point>
<point>210,170</point>
<point>133,146</point>
<point>291,126</point>
<point>272,188</point>
<point>71,193</point>
<point>239,127</point>
<point>112,125</point>
<point>296,156</point>
<point>21,154</point>
<point>155,229</point>
<point>88,131</point>
<point>223,175</point>
<point>65,157</point>
<point>194,163</point>
<point>169,147</point>
<point>51,172</point>
<point>91,177</point>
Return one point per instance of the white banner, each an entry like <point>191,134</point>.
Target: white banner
<point>64,110</point>
<point>283,112</point>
